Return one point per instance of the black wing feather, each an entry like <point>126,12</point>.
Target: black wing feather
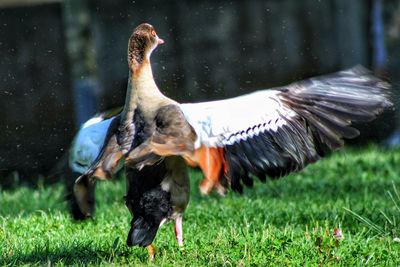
<point>325,107</point>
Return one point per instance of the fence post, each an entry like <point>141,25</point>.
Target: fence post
<point>82,59</point>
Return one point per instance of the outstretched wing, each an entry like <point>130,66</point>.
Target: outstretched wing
<point>278,131</point>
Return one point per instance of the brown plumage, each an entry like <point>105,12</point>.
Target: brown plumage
<point>161,192</point>
<point>157,193</point>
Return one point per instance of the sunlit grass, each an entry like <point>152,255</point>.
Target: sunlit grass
<point>285,222</point>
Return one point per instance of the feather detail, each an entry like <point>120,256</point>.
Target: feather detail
<point>275,132</point>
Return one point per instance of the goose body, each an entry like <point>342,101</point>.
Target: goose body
<point>161,192</point>
<point>156,193</point>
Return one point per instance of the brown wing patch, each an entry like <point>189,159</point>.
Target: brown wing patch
<point>173,135</point>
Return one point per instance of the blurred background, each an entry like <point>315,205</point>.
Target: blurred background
<point>63,61</point>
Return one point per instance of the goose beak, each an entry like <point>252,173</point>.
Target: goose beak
<point>160,41</point>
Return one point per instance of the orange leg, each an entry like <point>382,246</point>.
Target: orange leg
<point>211,161</point>
<point>151,251</point>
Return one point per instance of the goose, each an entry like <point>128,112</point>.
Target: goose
<point>155,194</point>
<point>267,133</point>
<point>161,193</point>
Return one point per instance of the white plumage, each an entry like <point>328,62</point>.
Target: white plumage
<point>224,122</point>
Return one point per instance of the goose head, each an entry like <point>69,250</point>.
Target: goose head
<point>142,42</point>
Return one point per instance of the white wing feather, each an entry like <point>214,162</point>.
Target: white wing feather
<point>224,122</point>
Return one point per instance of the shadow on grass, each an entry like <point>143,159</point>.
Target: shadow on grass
<point>307,185</point>
<point>82,254</point>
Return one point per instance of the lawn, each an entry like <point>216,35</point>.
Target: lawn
<point>285,222</point>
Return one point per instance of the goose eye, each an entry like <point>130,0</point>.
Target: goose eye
<point>153,32</point>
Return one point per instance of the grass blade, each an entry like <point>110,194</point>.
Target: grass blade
<point>367,222</point>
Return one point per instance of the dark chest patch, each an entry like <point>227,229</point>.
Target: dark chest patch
<point>142,129</point>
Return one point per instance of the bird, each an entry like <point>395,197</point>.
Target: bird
<point>267,133</point>
<point>157,193</point>
<point>160,192</point>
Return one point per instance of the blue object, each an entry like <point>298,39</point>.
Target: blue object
<point>393,141</point>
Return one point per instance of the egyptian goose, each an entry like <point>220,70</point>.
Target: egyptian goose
<point>266,133</point>
<point>155,194</point>
<point>161,193</point>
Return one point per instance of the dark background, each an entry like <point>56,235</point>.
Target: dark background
<point>213,49</point>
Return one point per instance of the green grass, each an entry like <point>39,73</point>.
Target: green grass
<point>284,222</point>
